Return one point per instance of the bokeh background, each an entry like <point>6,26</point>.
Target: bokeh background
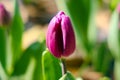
<point>36,15</point>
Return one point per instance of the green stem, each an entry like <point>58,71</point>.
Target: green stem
<point>43,71</point>
<point>64,69</point>
<point>117,70</point>
<point>3,47</point>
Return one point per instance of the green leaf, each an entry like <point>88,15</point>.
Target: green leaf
<point>92,27</point>
<point>102,58</point>
<point>16,33</point>
<point>104,78</point>
<point>67,76</point>
<point>22,64</point>
<point>26,2</point>
<point>113,4</point>
<point>50,66</point>
<point>3,75</point>
<point>117,70</point>
<point>30,70</point>
<point>3,47</point>
<point>114,35</point>
<point>37,75</point>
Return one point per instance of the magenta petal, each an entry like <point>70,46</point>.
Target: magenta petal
<point>118,8</point>
<point>4,16</point>
<point>54,37</point>
<point>68,36</point>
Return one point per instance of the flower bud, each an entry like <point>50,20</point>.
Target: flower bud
<point>118,9</point>
<point>4,16</point>
<point>60,37</point>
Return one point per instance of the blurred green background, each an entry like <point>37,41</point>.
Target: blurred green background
<point>96,26</point>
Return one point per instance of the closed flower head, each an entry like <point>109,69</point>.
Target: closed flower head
<point>4,16</point>
<point>60,37</point>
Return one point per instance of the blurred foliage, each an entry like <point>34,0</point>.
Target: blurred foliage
<point>36,63</point>
<point>114,34</point>
<point>105,78</point>
<point>16,31</point>
<point>102,59</point>
<point>3,47</point>
<point>114,40</point>
<point>113,4</point>
<point>27,1</point>
<point>35,50</point>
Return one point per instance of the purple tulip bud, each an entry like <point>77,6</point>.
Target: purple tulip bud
<point>60,37</point>
<point>118,8</point>
<point>4,16</point>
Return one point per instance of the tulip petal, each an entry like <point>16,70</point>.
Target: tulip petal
<point>54,37</point>
<point>68,36</point>
<point>4,16</point>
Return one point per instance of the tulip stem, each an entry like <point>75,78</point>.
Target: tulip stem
<point>64,69</point>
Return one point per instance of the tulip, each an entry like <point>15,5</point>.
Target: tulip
<point>118,9</point>
<point>60,38</point>
<point>4,16</point>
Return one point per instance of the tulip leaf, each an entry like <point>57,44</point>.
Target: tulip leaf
<point>27,1</point>
<point>3,75</point>
<point>114,35</point>
<point>50,66</point>
<point>16,33</point>
<point>3,47</point>
<point>67,76</point>
<point>117,70</point>
<point>92,28</point>
<point>104,78</point>
<point>113,4</point>
<point>37,75</point>
<point>102,59</point>
<point>22,64</point>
